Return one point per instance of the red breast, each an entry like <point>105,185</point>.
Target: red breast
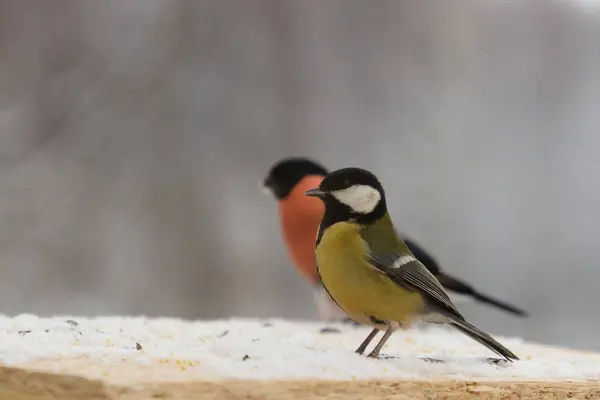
<point>300,217</point>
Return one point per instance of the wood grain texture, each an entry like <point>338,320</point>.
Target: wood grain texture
<point>370,390</point>
<point>22,384</point>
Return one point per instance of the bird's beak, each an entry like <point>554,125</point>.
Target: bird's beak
<point>316,192</point>
<point>266,190</point>
<point>265,186</point>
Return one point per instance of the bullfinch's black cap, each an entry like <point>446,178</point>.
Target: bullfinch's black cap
<point>286,173</point>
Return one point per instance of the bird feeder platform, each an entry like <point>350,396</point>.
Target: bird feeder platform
<point>139,358</point>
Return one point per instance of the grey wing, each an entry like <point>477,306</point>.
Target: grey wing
<point>410,273</point>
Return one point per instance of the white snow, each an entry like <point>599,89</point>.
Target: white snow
<point>278,349</point>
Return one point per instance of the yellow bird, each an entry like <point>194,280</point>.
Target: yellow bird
<point>370,272</point>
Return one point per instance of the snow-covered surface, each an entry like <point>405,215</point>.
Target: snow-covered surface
<point>276,349</point>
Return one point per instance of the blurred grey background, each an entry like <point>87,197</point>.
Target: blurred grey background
<point>134,134</point>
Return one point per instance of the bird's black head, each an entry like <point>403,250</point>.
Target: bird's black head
<point>286,174</point>
<point>351,194</point>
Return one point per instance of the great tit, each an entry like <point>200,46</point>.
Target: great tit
<point>299,216</point>
<point>370,272</point>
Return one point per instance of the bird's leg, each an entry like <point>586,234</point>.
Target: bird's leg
<point>363,346</point>
<point>386,336</point>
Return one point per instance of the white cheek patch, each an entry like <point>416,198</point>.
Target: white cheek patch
<point>360,198</point>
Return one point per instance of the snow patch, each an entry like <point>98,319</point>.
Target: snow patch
<point>279,349</point>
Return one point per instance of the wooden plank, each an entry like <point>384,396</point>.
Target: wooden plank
<point>102,359</point>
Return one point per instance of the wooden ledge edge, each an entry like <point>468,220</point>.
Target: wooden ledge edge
<point>22,384</point>
<point>25,384</point>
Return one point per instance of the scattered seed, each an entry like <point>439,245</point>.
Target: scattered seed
<point>329,329</point>
<point>225,333</point>
<point>246,357</point>
<point>432,360</point>
<point>138,346</point>
<point>71,322</point>
<point>23,333</point>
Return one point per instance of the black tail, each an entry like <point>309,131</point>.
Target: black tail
<point>478,335</point>
<point>497,303</point>
<point>452,284</point>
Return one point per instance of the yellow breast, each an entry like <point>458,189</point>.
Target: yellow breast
<point>359,289</point>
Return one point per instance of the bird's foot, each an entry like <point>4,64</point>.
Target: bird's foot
<point>373,354</point>
<point>497,361</point>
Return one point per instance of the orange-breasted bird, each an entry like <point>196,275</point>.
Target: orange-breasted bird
<point>300,216</point>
